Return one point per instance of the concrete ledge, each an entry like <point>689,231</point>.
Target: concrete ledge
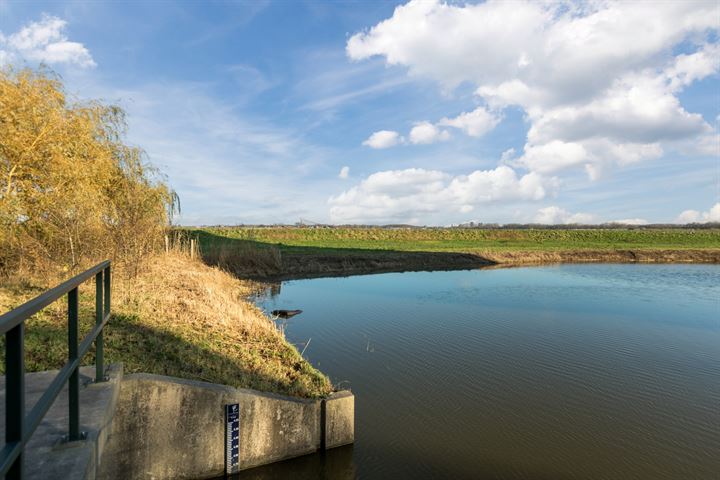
<point>170,428</point>
<point>46,456</point>
<point>339,419</point>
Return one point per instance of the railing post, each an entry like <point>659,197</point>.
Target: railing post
<point>15,394</point>
<point>99,308</point>
<point>107,290</point>
<point>74,382</point>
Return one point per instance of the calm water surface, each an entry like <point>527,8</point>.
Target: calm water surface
<point>561,372</point>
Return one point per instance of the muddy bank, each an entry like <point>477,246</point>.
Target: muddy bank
<point>289,266</point>
<point>603,256</point>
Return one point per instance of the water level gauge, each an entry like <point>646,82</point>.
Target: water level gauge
<point>232,438</point>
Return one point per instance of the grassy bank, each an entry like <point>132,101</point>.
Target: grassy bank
<point>181,318</point>
<point>291,252</point>
<point>469,239</point>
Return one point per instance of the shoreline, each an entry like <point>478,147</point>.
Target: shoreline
<point>296,266</point>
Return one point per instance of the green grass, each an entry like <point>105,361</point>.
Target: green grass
<point>307,240</point>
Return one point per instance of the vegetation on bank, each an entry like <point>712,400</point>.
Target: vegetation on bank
<point>181,318</point>
<point>299,240</point>
<point>72,193</point>
<point>70,190</point>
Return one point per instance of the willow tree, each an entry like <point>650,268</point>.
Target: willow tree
<point>71,192</point>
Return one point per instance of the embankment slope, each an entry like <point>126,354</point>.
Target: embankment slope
<point>178,317</point>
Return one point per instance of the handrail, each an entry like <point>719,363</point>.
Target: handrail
<point>13,317</point>
<point>19,427</point>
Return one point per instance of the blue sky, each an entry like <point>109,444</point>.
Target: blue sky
<point>383,112</point>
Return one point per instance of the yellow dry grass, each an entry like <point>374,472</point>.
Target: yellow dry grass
<point>182,318</point>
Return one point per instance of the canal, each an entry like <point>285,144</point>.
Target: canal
<point>553,372</point>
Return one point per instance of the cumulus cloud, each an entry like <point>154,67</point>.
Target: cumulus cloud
<point>598,81</point>
<point>687,68</point>
<point>555,215</point>
<point>426,132</point>
<point>689,216</point>
<point>410,194</point>
<point>553,156</point>
<point>422,133</point>
<point>694,216</point>
<point>476,123</point>
<point>594,155</point>
<point>44,41</point>
<point>344,172</point>
<point>383,139</point>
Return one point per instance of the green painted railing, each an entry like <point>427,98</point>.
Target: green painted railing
<point>19,427</point>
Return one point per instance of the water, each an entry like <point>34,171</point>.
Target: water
<point>560,372</point>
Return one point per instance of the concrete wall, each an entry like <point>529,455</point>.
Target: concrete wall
<point>338,419</point>
<point>170,428</point>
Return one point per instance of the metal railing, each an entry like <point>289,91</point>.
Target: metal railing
<point>19,427</point>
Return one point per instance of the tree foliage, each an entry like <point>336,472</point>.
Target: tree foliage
<point>71,192</point>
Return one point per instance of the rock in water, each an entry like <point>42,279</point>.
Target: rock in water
<point>286,313</point>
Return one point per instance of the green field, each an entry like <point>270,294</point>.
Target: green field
<point>310,240</point>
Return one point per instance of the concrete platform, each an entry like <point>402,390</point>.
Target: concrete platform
<point>169,428</point>
<point>143,426</point>
<point>46,456</point>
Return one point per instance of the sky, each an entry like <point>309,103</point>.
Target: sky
<point>426,112</point>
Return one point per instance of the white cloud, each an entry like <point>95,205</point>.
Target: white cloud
<point>417,36</point>
<point>408,195</point>
<point>694,216</point>
<point>598,81</point>
<point>636,109</point>
<point>476,123</point>
<point>696,66</point>
<point>507,156</point>
<point>44,41</point>
<point>425,133</point>
<point>555,215</point>
<point>631,221</point>
<point>595,155</point>
<point>344,172</point>
<point>383,139</point>
<point>689,216</point>
<point>553,156</point>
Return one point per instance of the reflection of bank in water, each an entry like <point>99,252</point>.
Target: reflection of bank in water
<point>274,289</point>
<point>336,463</point>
